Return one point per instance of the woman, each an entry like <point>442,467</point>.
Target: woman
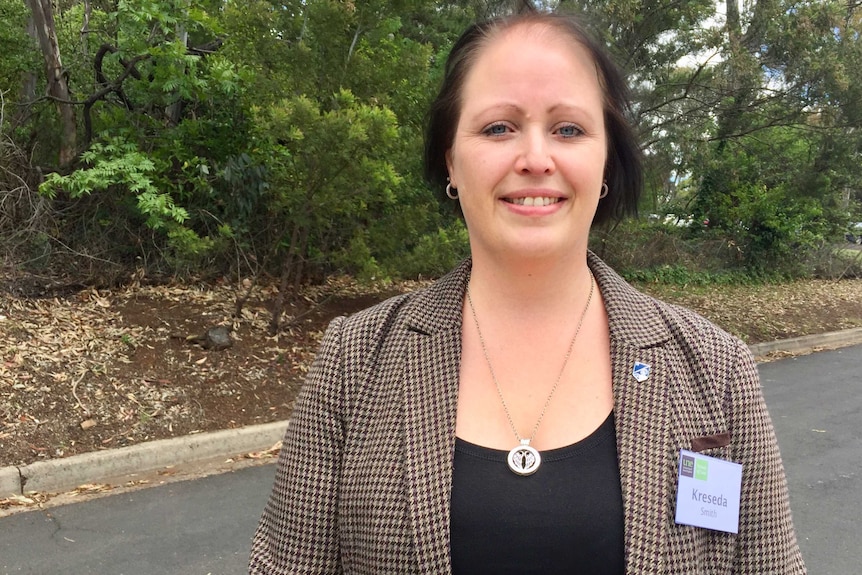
<point>529,412</point>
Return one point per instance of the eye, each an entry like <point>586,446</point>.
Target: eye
<point>498,129</point>
<point>569,131</point>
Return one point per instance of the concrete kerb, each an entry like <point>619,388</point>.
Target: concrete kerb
<point>70,472</point>
<point>834,339</point>
<point>10,481</point>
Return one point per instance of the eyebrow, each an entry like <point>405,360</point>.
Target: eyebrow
<point>509,107</point>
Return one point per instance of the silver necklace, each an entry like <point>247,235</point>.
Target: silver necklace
<point>524,459</point>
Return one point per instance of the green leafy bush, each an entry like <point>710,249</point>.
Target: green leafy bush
<point>436,253</point>
<point>118,167</point>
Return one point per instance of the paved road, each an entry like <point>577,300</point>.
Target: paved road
<point>194,527</point>
<point>816,404</point>
<point>204,526</point>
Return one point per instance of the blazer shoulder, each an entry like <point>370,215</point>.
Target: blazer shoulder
<point>646,321</point>
<point>687,323</point>
<point>374,322</point>
<point>707,348</point>
<point>427,309</point>
<point>714,363</point>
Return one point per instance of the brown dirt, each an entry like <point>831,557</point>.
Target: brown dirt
<point>84,370</point>
<point>97,370</point>
<point>768,312</point>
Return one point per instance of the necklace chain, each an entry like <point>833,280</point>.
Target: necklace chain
<point>526,441</point>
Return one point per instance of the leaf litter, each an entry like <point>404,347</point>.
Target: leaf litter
<point>100,369</point>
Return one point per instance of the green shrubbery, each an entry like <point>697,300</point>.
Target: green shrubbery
<point>285,139</point>
<point>657,252</point>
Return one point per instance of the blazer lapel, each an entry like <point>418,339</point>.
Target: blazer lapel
<point>432,364</point>
<point>642,416</point>
<point>643,431</point>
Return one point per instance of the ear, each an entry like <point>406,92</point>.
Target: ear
<point>449,168</point>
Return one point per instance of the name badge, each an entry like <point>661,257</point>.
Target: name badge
<point>708,492</point>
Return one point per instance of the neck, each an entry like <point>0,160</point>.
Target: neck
<point>539,289</point>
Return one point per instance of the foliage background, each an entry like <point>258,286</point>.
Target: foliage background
<point>213,137</point>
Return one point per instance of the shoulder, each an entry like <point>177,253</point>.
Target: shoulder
<point>371,321</point>
<point>645,321</point>
<point>689,326</point>
<point>428,309</point>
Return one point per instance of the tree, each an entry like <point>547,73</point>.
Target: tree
<point>187,153</point>
<point>334,176</point>
<point>58,87</point>
<point>781,101</point>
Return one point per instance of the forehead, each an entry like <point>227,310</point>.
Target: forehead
<point>532,61</point>
<point>547,39</point>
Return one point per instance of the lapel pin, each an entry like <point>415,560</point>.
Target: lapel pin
<point>641,371</point>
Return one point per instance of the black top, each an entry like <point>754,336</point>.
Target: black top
<point>565,518</point>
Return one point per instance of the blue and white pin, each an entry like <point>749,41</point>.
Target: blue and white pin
<point>641,371</point>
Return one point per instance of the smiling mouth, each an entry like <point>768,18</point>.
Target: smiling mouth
<point>532,201</point>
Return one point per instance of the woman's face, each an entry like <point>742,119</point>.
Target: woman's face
<point>529,150</point>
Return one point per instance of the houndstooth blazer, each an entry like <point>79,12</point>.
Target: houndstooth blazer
<point>363,479</point>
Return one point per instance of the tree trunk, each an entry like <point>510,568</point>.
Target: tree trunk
<point>85,27</point>
<point>58,87</point>
<point>744,73</point>
<point>728,119</point>
<point>174,111</point>
<point>300,262</point>
<point>29,81</point>
<point>284,283</point>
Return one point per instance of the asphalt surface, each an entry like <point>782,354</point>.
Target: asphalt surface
<point>197,527</point>
<point>205,526</point>
<point>816,406</point>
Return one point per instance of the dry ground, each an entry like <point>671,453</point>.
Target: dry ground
<point>84,370</point>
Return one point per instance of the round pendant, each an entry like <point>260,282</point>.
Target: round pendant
<point>524,460</point>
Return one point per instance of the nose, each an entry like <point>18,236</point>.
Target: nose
<point>535,154</point>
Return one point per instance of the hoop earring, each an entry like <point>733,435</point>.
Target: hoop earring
<point>604,192</point>
<point>451,193</point>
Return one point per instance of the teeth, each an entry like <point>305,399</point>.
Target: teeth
<point>534,201</point>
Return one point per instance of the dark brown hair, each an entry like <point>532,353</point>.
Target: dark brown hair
<point>623,169</point>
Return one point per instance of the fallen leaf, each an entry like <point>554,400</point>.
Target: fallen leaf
<point>18,500</point>
<point>91,488</point>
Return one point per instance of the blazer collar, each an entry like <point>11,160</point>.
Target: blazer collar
<point>642,414</point>
<point>432,362</point>
<point>439,306</point>
<point>633,316</point>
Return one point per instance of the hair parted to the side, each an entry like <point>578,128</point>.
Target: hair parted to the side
<point>624,166</point>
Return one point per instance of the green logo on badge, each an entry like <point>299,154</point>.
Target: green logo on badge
<point>700,467</point>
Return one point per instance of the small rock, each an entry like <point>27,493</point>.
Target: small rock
<point>88,423</point>
<point>217,338</point>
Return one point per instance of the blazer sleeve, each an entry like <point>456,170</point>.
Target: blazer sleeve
<point>298,531</point>
<point>766,542</point>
